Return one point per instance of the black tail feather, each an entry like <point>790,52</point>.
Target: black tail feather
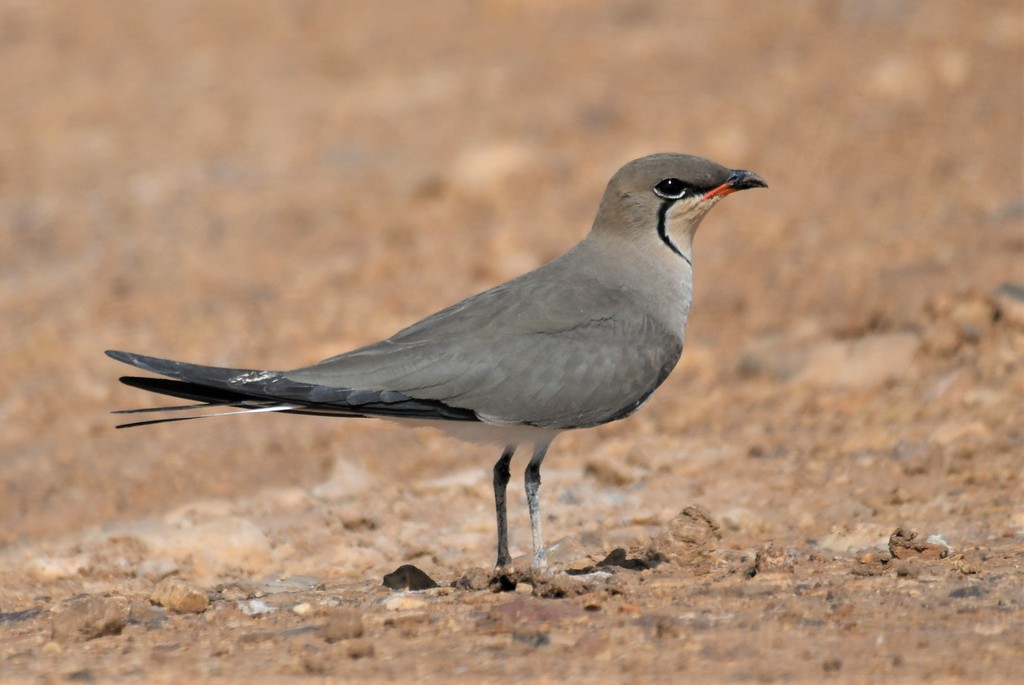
<point>186,390</point>
<point>270,391</point>
<point>180,407</point>
<point>153,422</point>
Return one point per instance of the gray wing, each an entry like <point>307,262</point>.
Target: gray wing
<point>556,353</point>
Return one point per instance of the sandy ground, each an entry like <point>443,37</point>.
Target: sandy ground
<point>267,186</point>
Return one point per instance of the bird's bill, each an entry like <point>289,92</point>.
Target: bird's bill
<point>738,180</point>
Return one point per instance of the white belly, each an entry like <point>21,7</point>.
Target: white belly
<point>486,433</point>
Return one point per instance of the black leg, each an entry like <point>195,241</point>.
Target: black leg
<point>532,479</point>
<point>501,478</point>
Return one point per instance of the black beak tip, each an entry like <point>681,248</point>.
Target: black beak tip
<point>740,179</point>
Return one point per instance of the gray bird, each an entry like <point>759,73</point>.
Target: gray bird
<point>579,342</point>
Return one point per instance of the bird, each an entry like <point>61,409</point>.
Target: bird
<point>581,341</point>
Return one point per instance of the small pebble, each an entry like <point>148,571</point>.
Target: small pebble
<point>966,566</point>
<point>175,594</point>
<point>408,577</point>
<point>905,544</point>
<point>771,560</point>
<point>690,541</point>
<point>255,607</point>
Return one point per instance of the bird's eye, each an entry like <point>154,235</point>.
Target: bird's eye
<point>670,189</point>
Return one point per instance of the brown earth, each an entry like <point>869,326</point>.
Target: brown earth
<point>267,184</point>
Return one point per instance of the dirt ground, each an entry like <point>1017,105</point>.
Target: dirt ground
<point>265,186</point>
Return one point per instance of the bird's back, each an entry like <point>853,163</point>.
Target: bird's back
<point>493,353</point>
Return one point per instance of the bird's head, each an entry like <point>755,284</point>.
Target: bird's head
<point>665,196</point>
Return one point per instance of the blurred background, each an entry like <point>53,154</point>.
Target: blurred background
<point>264,185</point>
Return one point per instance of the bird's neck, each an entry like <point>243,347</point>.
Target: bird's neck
<point>661,279</point>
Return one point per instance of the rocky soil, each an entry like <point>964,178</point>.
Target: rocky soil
<point>830,488</point>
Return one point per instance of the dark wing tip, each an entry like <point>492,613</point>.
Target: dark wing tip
<point>153,422</point>
<point>140,361</point>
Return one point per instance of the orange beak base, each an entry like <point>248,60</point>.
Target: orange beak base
<point>738,180</point>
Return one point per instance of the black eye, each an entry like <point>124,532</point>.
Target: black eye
<point>671,189</point>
